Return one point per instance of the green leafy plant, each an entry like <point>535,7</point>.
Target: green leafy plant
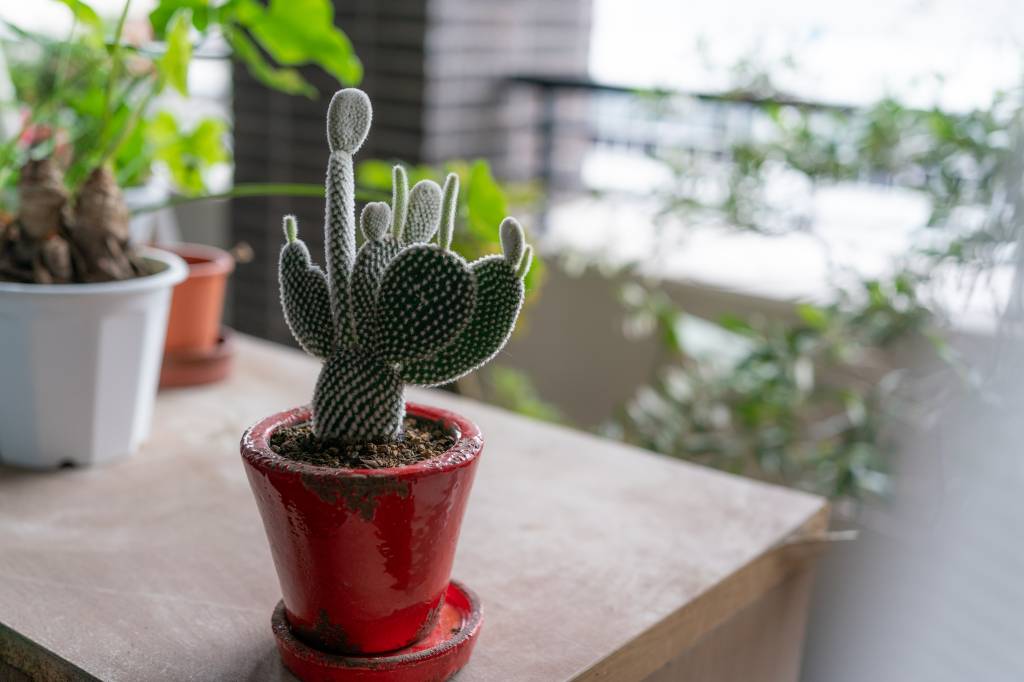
<point>292,32</point>
<point>808,401</point>
<point>803,402</point>
<point>513,390</point>
<point>93,92</point>
<point>89,128</point>
<point>400,309</point>
<point>952,159</point>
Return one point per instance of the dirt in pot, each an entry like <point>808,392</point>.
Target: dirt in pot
<point>421,439</point>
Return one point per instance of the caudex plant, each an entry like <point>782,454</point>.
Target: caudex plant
<point>404,308</point>
<point>94,120</point>
<point>58,238</point>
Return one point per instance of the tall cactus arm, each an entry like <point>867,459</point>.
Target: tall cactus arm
<point>449,206</point>
<point>348,122</point>
<point>304,296</point>
<point>500,292</point>
<point>399,201</point>
<point>379,249</point>
<point>424,212</point>
<point>425,300</point>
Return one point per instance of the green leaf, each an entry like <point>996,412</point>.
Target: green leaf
<point>134,157</point>
<point>876,294</point>
<point>737,325</point>
<point>513,390</point>
<point>374,174</point>
<point>84,14</point>
<point>160,17</point>
<point>297,32</point>
<point>173,65</point>
<point>288,81</point>
<point>813,316</point>
<point>485,200</point>
<point>671,336</point>
<point>207,141</point>
<point>188,154</point>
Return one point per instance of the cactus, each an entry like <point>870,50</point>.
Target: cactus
<point>404,308</point>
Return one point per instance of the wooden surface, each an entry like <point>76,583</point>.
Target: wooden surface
<point>593,560</point>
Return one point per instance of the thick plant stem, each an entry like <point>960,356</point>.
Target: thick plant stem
<point>358,399</point>
<point>348,121</point>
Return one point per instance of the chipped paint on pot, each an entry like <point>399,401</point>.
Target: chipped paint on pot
<point>363,556</point>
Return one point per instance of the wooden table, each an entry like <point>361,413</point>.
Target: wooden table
<point>593,560</point>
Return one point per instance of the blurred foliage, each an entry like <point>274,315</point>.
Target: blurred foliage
<point>801,403</point>
<point>513,390</point>
<point>807,402</point>
<point>292,32</point>
<point>187,152</point>
<point>90,96</point>
<point>953,159</point>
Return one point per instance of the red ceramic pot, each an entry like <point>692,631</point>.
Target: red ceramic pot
<point>364,556</point>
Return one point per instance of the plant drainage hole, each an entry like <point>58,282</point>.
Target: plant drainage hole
<point>67,464</point>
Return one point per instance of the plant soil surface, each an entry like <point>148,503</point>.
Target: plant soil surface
<point>421,439</point>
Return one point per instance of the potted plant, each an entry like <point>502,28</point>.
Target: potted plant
<point>119,100</point>
<point>362,494</point>
<point>83,318</point>
<point>198,350</point>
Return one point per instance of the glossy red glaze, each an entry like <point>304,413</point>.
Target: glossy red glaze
<point>364,556</point>
<point>436,657</point>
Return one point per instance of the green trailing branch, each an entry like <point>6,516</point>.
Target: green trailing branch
<point>404,308</point>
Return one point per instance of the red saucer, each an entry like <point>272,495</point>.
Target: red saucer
<point>434,658</point>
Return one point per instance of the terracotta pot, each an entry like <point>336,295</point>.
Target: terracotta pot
<point>364,556</point>
<point>198,303</point>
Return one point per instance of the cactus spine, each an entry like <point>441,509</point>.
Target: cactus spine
<point>401,310</point>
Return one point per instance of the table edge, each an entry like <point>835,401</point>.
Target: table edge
<point>677,632</point>
<point>35,661</point>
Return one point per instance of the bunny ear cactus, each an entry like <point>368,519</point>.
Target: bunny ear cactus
<point>404,308</point>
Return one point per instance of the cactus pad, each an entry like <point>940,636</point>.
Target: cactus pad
<point>425,300</point>
<point>304,296</point>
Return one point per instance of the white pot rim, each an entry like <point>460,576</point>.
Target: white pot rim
<point>174,271</point>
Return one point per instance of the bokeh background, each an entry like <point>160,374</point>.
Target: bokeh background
<point>781,239</point>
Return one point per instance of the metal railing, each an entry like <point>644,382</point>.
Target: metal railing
<point>645,122</point>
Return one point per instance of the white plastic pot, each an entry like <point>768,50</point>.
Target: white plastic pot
<point>79,365</point>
